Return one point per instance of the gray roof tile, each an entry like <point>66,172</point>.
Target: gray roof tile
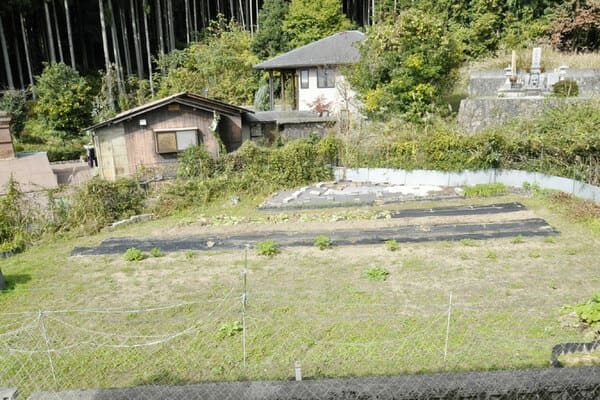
<point>337,49</point>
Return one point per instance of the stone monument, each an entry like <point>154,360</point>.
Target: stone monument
<point>535,83</point>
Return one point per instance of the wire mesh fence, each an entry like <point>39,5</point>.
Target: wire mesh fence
<point>249,334</point>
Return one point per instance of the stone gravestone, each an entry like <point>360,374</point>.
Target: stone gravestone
<point>536,69</point>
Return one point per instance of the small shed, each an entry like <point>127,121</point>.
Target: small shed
<point>149,137</point>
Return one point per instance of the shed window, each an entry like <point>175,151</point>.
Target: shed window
<point>325,78</point>
<point>176,140</point>
<point>304,79</point>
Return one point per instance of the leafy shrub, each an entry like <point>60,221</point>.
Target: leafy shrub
<point>406,64</point>
<point>195,162</point>
<point>15,103</point>
<point>518,239</point>
<point>99,202</point>
<point>589,312</point>
<point>190,254</point>
<point>566,88</point>
<point>63,99</point>
<point>224,53</point>
<point>322,242</point>
<point>15,219</point>
<point>65,153</point>
<point>391,245</point>
<point>468,242</point>
<point>134,254</point>
<point>156,252</point>
<point>376,274</point>
<point>267,248</point>
<point>229,329</point>
<point>485,190</point>
<point>251,170</point>
<point>577,28</point>
<point>563,142</point>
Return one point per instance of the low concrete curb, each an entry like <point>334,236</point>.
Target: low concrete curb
<point>547,384</point>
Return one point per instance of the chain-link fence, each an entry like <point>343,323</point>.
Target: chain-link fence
<point>246,333</point>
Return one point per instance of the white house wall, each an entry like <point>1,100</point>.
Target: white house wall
<point>341,97</point>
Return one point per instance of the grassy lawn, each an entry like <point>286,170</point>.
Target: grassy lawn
<point>107,324</point>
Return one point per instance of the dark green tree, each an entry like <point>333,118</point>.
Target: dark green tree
<point>406,64</point>
<point>220,64</point>
<point>63,99</point>
<point>271,40</point>
<point>310,20</point>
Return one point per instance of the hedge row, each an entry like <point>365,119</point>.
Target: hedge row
<point>563,142</point>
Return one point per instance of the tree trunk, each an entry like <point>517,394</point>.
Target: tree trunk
<point>81,38</point>
<point>202,16</point>
<point>109,92</point>
<point>195,9</point>
<point>250,11</point>
<point>232,10</point>
<point>187,21</point>
<point>18,54</point>
<point>116,51</point>
<point>7,68</point>
<point>148,52</point>
<point>26,46</point>
<point>242,15</point>
<point>136,39</point>
<point>257,11</point>
<point>171,25</point>
<point>126,47</point>
<point>70,35</point>
<point>50,35</point>
<point>57,29</point>
<point>159,24</point>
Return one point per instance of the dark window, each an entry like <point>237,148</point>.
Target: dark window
<point>304,79</point>
<point>325,78</point>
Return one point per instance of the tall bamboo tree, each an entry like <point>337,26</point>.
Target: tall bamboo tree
<point>187,21</point>
<point>116,51</point>
<point>170,25</point>
<point>7,67</point>
<point>146,11</point>
<point>126,46</point>
<point>57,29</point>
<point>136,39</point>
<point>26,47</point>
<point>70,35</point>
<point>109,83</point>
<point>50,34</point>
<point>159,25</point>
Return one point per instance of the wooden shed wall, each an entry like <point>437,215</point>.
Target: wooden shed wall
<point>141,142</point>
<point>230,129</point>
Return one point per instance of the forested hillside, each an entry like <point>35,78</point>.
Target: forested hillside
<point>38,31</point>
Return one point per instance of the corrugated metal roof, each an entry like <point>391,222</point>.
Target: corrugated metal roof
<point>194,99</point>
<point>337,49</point>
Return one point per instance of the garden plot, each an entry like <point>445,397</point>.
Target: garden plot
<point>339,194</point>
<point>416,225</point>
<point>358,310</point>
